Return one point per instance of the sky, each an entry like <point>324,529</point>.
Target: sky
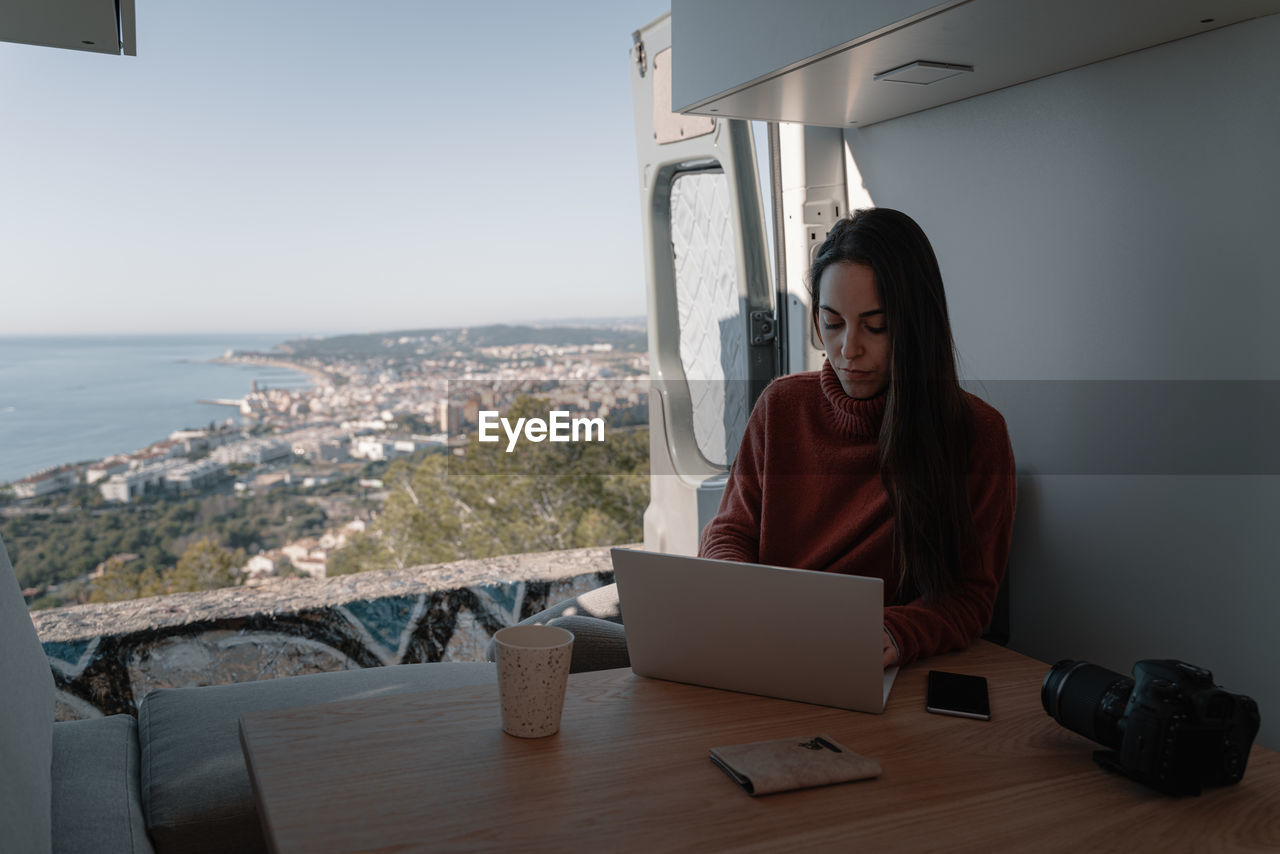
<point>292,166</point>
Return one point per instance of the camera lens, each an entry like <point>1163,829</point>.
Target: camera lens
<point>1086,699</point>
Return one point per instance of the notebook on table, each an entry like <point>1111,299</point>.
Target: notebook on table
<point>795,634</point>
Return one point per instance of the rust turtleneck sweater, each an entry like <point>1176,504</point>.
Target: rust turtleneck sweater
<point>805,492</point>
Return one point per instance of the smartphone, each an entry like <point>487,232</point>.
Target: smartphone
<point>958,694</point>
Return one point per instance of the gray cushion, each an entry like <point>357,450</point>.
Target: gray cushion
<point>597,644</point>
<point>601,603</point>
<point>26,723</point>
<point>595,618</point>
<point>195,785</point>
<point>96,806</point>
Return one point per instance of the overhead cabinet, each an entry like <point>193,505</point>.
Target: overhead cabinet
<point>98,26</point>
<point>851,63</point>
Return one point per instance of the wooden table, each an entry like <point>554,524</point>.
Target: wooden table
<point>629,772</point>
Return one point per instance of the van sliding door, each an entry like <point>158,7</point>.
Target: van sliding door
<point>712,341</point>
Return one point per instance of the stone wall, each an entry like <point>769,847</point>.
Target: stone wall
<point>105,658</point>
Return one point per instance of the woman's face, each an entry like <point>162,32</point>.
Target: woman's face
<point>851,322</point>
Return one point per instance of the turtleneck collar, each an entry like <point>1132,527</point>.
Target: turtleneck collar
<point>857,419</point>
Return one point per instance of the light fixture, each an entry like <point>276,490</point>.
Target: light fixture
<point>922,72</point>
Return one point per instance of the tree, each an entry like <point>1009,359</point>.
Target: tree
<point>362,552</point>
<point>126,579</point>
<point>542,497</point>
<point>205,565</point>
<point>118,581</point>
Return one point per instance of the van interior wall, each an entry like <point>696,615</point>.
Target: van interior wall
<point>1118,223</point>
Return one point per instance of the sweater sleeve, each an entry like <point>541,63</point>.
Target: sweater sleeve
<point>734,532</point>
<point>956,621</point>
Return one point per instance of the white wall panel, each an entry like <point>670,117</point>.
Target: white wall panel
<point>1118,223</point>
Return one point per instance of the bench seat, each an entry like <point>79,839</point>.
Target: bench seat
<point>194,782</point>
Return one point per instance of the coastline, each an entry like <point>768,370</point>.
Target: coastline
<point>61,455</point>
<point>320,375</point>
<point>88,398</point>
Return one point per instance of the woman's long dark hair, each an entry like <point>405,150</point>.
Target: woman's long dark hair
<point>925,439</point>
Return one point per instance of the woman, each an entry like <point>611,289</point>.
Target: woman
<point>879,464</point>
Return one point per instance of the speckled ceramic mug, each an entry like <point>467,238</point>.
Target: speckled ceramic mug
<point>533,668</point>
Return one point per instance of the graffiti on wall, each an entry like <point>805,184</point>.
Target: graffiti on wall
<point>111,674</point>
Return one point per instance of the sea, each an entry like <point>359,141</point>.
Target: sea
<point>77,399</point>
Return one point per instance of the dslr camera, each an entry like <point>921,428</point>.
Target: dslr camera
<point>1168,727</point>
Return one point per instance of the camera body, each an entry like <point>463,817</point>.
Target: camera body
<point>1169,727</point>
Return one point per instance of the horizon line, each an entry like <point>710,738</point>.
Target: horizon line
<point>327,333</point>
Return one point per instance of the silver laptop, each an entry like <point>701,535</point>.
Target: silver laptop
<point>815,637</point>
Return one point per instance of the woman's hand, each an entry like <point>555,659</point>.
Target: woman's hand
<point>890,651</point>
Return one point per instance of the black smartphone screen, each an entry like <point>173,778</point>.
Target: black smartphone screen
<point>958,694</point>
